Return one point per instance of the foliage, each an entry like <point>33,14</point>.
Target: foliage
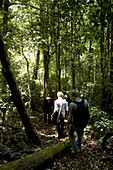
<point>33,26</point>
<point>36,95</point>
<point>100,123</point>
<point>84,41</point>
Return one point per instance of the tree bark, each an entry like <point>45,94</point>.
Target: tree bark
<point>36,67</point>
<point>58,51</point>
<point>44,17</point>
<point>103,58</point>
<point>111,61</point>
<point>46,71</point>
<point>16,96</point>
<point>110,90</point>
<point>5,30</point>
<point>38,160</point>
<point>72,51</point>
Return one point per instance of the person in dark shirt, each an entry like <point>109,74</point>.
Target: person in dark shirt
<point>79,115</point>
<point>48,109</point>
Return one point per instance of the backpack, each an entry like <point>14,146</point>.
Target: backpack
<point>81,115</point>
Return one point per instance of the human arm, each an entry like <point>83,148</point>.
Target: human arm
<point>66,110</point>
<point>69,118</point>
<point>44,105</point>
<point>54,108</point>
<point>58,117</point>
<point>87,105</point>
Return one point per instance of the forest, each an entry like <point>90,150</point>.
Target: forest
<point>48,46</point>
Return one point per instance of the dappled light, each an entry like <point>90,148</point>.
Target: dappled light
<point>41,133</point>
<point>50,49</point>
<point>92,152</point>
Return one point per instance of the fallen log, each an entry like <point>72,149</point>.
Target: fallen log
<point>37,160</point>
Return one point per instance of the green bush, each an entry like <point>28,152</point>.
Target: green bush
<point>99,123</point>
<point>36,95</point>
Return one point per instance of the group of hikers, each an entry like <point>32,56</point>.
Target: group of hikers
<point>76,110</point>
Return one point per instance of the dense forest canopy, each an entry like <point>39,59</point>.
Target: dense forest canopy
<point>49,39</point>
<point>48,46</point>
<point>57,45</point>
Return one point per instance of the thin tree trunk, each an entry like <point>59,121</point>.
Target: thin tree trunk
<point>110,96</point>
<point>5,28</point>
<point>90,60</point>
<point>103,59</point>
<point>111,61</point>
<point>46,71</point>
<point>16,96</point>
<point>58,51</point>
<point>28,81</point>
<point>45,21</point>
<point>36,67</point>
<point>72,51</point>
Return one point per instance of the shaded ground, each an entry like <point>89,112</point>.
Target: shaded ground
<point>92,157</point>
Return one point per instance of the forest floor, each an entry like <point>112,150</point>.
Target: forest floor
<point>92,157</point>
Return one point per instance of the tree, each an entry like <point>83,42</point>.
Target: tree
<point>36,66</point>
<point>1,2</point>
<point>16,96</point>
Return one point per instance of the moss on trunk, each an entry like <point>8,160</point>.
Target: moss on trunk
<point>37,160</point>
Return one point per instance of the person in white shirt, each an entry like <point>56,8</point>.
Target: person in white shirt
<point>61,107</point>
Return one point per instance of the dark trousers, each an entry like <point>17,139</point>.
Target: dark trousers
<point>76,143</point>
<point>60,128</point>
<point>47,117</point>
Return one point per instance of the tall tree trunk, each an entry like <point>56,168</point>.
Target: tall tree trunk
<point>90,60</point>
<point>16,96</point>
<point>46,71</point>
<point>73,69</point>
<point>45,21</point>
<point>108,65</point>
<point>5,28</point>
<point>28,81</point>
<point>111,54</point>
<point>56,57</point>
<point>55,29</point>
<point>36,67</point>
<point>111,62</point>
<point>72,51</point>
<point>103,59</point>
<point>110,97</point>
<point>5,18</point>
<point>58,51</point>
<point>59,68</point>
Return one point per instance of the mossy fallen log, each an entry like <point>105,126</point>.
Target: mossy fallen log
<point>37,160</point>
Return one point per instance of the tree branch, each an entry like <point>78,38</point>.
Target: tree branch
<point>24,4</point>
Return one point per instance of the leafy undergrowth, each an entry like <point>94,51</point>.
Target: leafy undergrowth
<point>15,146</point>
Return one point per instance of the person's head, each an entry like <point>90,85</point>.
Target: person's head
<point>75,93</point>
<point>48,95</point>
<point>59,94</point>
